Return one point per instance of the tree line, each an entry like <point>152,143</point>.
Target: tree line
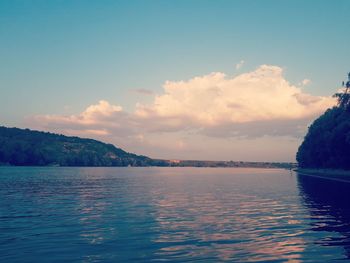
<point>27,147</point>
<point>327,143</point>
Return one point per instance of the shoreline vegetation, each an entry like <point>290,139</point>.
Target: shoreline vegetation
<point>325,151</point>
<point>183,163</point>
<point>24,147</point>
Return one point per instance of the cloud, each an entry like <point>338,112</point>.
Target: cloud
<point>214,100</point>
<point>256,106</point>
<point>240,64</point>
<point>259,102</point>
<point>98,119</point>
<point>93,114</point>
<point>144,91</point>
<point>305,82</point>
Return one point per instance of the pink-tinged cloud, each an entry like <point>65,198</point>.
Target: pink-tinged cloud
<point>228,113</point>
<point>93,114</point>
<point>214,99</point>
<point>240,64</point>
<point>100,119</point>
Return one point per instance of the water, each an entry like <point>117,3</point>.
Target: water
<point>171,214</point>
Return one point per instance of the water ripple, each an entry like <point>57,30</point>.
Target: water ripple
<point>170,214</point>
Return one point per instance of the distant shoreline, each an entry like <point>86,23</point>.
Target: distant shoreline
<point>187,163</point>
<point>328,174</point>
<point>24,147</point>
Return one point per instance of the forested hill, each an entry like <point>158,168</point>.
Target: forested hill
<point>327,143</point>
<point>36,148</point>
<point>27,147</point>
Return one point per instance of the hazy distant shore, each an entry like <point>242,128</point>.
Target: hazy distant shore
<point>240,164</point>
<point>331,174</point>
<point>187,163</point>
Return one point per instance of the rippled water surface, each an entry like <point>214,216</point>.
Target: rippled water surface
<point>171,214</point>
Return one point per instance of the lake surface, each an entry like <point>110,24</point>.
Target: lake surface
<point>57,214</point>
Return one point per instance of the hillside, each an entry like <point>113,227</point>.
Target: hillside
<point>27,147</point>
<point>24,147</point>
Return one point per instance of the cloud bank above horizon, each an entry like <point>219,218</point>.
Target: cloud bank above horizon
<point>257,106</point>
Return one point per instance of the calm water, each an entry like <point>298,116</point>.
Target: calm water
<point>171,214</point>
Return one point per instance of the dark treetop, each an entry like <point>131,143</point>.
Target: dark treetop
<point>327,143</point>
<point>27,147</point>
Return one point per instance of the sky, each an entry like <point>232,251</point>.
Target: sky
<point>205,80</point>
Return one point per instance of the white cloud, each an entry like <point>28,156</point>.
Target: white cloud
<point>99,119</point>
<point>103,108</point>
<point>252,107</point>
<point>240,64</point>
<point>305,82</point>
<point>215,99</point>
<point>91,115</point>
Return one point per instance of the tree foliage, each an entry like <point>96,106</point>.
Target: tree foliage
<point>327,143</point>
<point>26,147</point>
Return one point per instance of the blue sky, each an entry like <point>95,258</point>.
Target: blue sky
<point>59,57</point>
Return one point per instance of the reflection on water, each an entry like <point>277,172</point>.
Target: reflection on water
<point>328,204</point>
<point>170,214</point>
<point>228,226</point>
